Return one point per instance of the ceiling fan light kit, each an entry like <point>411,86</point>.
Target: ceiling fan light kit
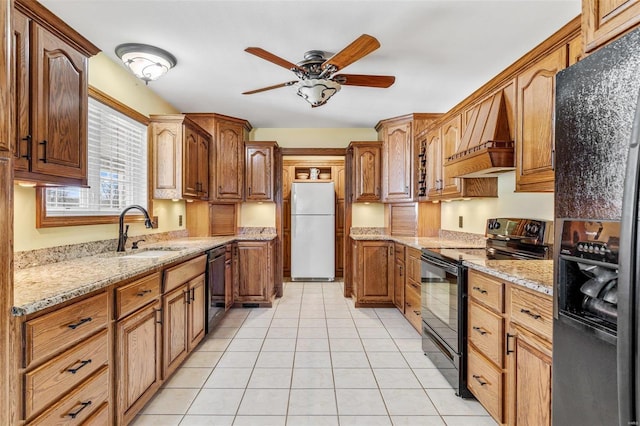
<point>318,81</point>
<point>146,62</point>
<point>317,91</point>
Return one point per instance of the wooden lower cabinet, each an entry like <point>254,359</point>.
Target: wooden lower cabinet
<point>174,312</point>
<point>510,350</point>
<point>256,270</point>
<point>138,360</point>
<point>197,312</point>
<point>373,273</point>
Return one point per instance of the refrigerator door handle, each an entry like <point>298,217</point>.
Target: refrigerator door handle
<point>627,293</point>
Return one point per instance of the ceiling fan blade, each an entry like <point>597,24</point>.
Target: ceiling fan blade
<point>275,86</point>
<point>268,56</point>
<point>358,49</point>
<point>382,81</point>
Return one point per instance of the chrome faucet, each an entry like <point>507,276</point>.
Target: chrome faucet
<point>122,233</point>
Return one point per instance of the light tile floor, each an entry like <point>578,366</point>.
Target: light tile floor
<point>312,359</point>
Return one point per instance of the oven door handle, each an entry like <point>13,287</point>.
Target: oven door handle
<point>451,268</point>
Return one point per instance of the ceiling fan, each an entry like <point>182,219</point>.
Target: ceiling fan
<point>318,80</point>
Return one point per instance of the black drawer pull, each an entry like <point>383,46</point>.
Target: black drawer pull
<point>79,323</point>
<point>75,413</point>
<point>479,330</point>
<point>531,314</point>
<point>143,292</point>
<point>44,151</point>
<point>416,286</point>
<point>416,312</point>
<point>481,290</point>
<point>408,304</point>
<point>28,140</point>
<point>478,379</point>
<point>82,364</point>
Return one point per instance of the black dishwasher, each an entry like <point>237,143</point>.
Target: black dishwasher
<point>215,286</point>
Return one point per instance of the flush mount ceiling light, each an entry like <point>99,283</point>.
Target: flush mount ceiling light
<point>147,62</point>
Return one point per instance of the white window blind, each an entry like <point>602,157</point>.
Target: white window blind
<point>117,167</point>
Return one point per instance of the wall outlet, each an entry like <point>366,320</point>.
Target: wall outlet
<point>459,221</point>
<point>179,220</point>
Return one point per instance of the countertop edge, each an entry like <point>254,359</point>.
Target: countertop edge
<point>524,282</point>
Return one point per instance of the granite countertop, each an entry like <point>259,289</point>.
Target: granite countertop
<point>536,275</point>
<point>421,242</point>
<point>44,286</point>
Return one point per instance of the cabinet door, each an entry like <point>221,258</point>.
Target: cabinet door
<point>203,166</point>
<point>434,163</point>
<point>398,285</point>
<point>338,178</point>
<point>397,160</point>
<point>451,136</point>
<point>60,112</point>
<point>375,272</point>
<point>253,271</point>
<point>229,161</point>
<point>603,20</point>
<point>259,173</point>
<point>535,109</point>
<point>366,173</point>
<point>20,75</point>
<point>190,165</point>
<point>138,355</point>
<point>529,372</point>
<point>197,307</point>
<point>175,317</point>
<point>339,254</point>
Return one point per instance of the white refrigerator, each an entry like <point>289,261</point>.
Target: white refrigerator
<point>312,231</point>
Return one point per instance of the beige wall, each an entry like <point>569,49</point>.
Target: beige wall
<point>314,138</point>
<point>257,214</point>
<point>117,82</point>
<point>508,204</point>
<point>367,215</point>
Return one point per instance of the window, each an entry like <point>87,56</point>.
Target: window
<point>117,169</point>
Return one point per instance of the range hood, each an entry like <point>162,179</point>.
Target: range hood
<point>486,147</point>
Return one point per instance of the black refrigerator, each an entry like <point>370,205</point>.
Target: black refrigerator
<point>595,332</point>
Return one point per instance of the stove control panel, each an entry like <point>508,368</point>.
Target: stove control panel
<point>533,230</point>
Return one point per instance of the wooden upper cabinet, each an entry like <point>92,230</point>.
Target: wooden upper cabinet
<point>576,50</point>
<point>259,171</point>
<point>49,67</point>
<point>179,152</point>
<point>339,179</point>
<point>366,170</point>
<point>397,159</point>
<point>604,20</point>
<point>229,168</point>
<point>535,112</point>
<point>451,137</point>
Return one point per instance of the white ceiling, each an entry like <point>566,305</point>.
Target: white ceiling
<point>439,51</point>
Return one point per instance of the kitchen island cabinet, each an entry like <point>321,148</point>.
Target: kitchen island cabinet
<point>49,70</point>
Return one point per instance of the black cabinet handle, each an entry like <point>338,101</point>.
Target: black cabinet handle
<point>187,297</point>
<point>249,191</point>
<point>79,323</point>
<point>193,294</point>
<point>509,336</point>
<point>74,414</point>
<point>82,364</point>
<point>481,290</point>
<point>531,314</point>
<point>44,151</point>
<point>479,380</point>
<point>28,139</point>
<point>416,312</point>
<point>401,271</point>
<point>479,330</point>
<point>142,293</point>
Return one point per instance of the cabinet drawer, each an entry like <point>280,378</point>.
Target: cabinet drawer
<point>399,251</point>
<point>414,264</point>
<point>486,383</point>
<point>532,311</point>
<point>46,383</point>
<point>184,272</point>
<point>486,331</point>
<point>60,329</point>
<point>137,294</point>
<point>413,286</point>
<point>412,307</point>
<point>100,417</point>
<point>486,290</point>
<point>80,404</point>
